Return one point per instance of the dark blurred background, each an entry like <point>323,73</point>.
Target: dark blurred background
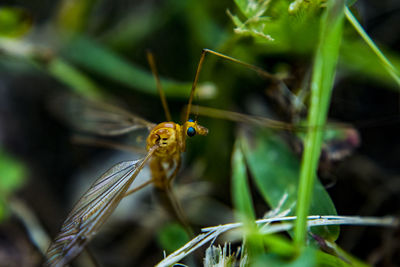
<point>97,49</point>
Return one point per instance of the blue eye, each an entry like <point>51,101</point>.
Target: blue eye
<point>191,120</point>
<point>191,132</point>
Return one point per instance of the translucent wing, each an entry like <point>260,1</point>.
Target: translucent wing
<point>97,117</point>
<point>92,210</point>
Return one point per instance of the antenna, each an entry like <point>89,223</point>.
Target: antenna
<point>152,63</point>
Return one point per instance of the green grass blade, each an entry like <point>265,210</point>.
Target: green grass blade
<point>365,64</point>
<point>240,189</point>
<point>243,203</point>
<point>383,60</point>
<point>321,85</point>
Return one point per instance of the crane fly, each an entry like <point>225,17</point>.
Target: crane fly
<point>164,144</point>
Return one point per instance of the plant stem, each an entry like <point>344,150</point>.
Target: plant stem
<point>321,85</point>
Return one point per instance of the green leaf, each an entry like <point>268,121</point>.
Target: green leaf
<point>171,237</point>
<point>340,256</point>
<point>242,5</point>
<point>256,22</point>
<point>281,26</point>
<point>327,260</point>
<point>307,258</point>
<point>275,170</point>
<point>280,245</point>
<point>252,8</point>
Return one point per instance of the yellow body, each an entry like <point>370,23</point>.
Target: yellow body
<point>170,139</point>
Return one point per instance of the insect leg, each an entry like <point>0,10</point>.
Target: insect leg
<point>243,118</point>
<point>179,214</point>
<point>259,70</point>
<point>164,189</point>
<point>138,188</point>
<point>152,63</point>
<point>173,175</point>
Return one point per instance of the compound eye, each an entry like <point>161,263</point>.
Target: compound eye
<point>191,131</point>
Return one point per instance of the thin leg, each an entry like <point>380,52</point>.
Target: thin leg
<point>173,175</point>
<point>262,121</point>
<point>138,188</point>
<point>152,63</point>
<point>175,202</point>
<point>180,215</point>
<point>239,117</point>
<point>260,71</point>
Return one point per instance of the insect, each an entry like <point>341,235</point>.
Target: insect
<point>164,145</point>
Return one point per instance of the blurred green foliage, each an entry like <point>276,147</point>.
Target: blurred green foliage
<point>291,28</point>
<point>308,257</point>
<point>171,237</point>
<point>12,177</point>
<point>88,54</point>
<point>14,22</point>
<point>96,54</point>
<point>282,28</point>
